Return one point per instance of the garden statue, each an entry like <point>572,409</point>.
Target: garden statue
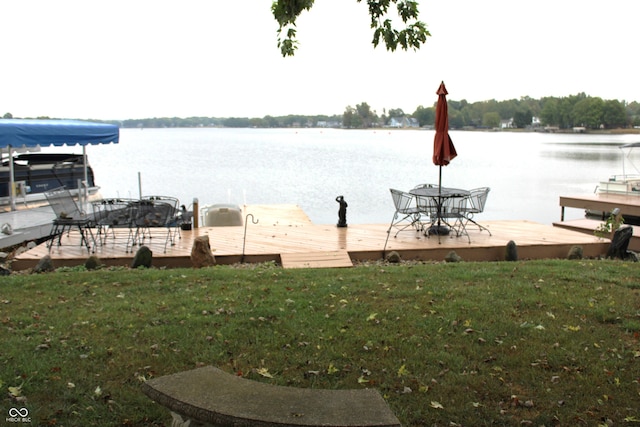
<point>342,212</point>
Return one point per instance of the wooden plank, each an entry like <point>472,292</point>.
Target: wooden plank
<point>316,259</point>
<point>282,214</point>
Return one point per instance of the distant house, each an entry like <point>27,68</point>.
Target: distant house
<point>509,124</point>
<point>403,122</point>
<point>506,124</point>
<point>535,122</point>
<point>328,124</point>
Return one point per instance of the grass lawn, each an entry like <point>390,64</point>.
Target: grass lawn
<point>525,343</point>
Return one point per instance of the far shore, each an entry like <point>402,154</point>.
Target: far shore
<point>620,131</point>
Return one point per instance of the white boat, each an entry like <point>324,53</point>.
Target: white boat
<point>625,183</point>
<point>34,174</point>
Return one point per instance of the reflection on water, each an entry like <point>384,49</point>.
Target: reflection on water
<point>527,172</point>
<point>584,156</point>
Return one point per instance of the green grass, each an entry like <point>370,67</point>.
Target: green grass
<point>540,342</point>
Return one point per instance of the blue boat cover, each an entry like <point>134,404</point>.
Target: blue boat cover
<point>30,133</point>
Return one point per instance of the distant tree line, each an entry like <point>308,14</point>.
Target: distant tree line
<point>578,110</point>
<point>564,113</point>
<point>231,122</point>
<point>568,112</point>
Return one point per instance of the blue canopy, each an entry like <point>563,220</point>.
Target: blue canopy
<point>30,133</point>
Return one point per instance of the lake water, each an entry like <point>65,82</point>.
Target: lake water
<point>527,172</point>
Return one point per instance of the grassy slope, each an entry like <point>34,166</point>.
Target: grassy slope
<point>547,342</point>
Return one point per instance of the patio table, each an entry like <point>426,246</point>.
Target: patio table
<point>440,196</point>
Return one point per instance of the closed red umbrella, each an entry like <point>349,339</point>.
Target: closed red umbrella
<point>443,149</point>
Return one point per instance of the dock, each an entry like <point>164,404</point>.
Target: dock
<point>284,234</point>
<point>29,221</point>
<point>628,205</point>
<point>25,225</point>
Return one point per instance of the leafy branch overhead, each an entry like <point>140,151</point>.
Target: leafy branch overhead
<point>413,35</point>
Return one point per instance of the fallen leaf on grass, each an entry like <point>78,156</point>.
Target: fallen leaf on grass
<point>264,372</point>
<point>402,371</point>
<point>15,391</point>
<point>436,405</point>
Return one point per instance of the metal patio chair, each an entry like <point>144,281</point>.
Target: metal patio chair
<point>110,214</point>
<point>452,214</point>
<point>475,205</point>
<point>428,207</point>
<point>150,214</point>
<point>406,214</point>
<point>68,216</point>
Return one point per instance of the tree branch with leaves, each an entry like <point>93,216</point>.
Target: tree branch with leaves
<point>412,36</point>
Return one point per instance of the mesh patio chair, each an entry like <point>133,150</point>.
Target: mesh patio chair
<point>475,205</point>
<point>150,214</point>
<point>428,206</point>
<point>68,216</point>
<point>452,214</point>
<point>175,219</point>
<point>110,214</point>
<point>406,214</point>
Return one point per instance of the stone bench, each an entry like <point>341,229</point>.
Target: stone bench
<point>211,397</point>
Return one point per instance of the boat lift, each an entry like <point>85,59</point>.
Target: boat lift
<point>30,135</point>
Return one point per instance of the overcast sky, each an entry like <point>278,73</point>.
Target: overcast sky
<point>120,59</point>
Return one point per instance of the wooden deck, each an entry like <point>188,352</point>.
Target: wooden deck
<point>284,234</point>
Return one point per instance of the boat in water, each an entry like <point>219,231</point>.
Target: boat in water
<point>626,183</point>
<point>36,173</point>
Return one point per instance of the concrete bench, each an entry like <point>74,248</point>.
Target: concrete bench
<point>211,397</point>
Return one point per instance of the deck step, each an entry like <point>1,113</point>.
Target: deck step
<point>589,226</point>
<point>316,259</point>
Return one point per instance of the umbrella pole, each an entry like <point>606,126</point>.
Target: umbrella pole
<point>439,196</point>
<point>439,229</point>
